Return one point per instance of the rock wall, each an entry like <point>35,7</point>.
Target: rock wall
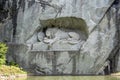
<point>117,60</point>
<point>48,37</point>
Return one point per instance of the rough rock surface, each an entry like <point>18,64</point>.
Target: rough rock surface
<point>32,40</point>
<point>28,21</point>
<point>118,30</point>
<point>20,25</point>
<point>40,36</point>
<point>39,46</point>
<point>64,45</point>
<point>118,64</point>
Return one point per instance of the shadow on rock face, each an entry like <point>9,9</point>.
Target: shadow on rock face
<point>66,22</point>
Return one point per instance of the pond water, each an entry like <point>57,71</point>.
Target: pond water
<point>70,78</point>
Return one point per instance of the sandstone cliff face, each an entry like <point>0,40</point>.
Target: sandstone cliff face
<point>57,37</point>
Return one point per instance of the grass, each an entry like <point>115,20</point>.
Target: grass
<point>10,70</point>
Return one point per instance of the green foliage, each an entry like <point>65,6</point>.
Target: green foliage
<point>12,63</point>
<point>3,50</point>
<point>8,70</point>
<point>5,69</point>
